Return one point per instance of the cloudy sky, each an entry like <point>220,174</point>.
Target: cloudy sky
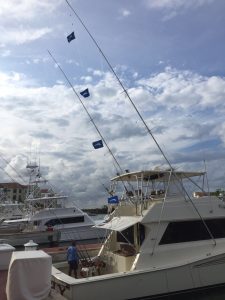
<point>169,55</point>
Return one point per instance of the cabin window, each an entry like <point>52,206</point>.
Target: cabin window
<point>37,223</point>
<point>141,233</point>
<point>189,231</point>
<point>126,236</point>
<point>67,220</point>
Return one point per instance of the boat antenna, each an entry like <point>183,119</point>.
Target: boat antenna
<point>136,109</point>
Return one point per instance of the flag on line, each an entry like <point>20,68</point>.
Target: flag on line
<point>98,144</point>
<point>71,37</point>
<point>113,200</point>
<point>85,93</point>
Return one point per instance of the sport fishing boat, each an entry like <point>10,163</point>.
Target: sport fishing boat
<point>49,217</point>
<point>161,240</point>
<point>58,222</point>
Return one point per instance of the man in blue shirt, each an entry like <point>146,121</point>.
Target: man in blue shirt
<point>73,259</point>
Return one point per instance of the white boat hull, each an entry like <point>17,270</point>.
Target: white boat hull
<point>21,238</point>
<point>149,283</point>
<point>50,237</point>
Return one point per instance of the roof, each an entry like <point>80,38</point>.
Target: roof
<point>157,175</point>
<point>119,223</point>
<point>12,185</point>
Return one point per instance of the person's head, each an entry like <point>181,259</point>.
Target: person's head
<point>73,243</point>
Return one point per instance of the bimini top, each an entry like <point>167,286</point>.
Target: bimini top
<point>157,175</point>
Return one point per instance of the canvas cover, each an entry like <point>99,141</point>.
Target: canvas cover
<point>29,275</point>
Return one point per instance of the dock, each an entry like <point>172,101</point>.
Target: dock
<point>54,295</point>
<point>3,279</point>
<point>58,254</point>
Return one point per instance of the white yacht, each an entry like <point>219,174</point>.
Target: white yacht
<point>58,221</point>
<point>161,241</point>
<point>49,217</point>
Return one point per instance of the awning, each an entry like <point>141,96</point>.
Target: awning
<point>119,223</point>
<point>157,175</point>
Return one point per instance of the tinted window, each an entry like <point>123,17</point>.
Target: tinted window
<point>126,235</point>
<point>187,231</point>
<point>67,220</point>
<point>141,233</point>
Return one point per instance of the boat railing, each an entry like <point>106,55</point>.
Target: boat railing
<point>106,245</point>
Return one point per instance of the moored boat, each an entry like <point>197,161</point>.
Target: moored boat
<point>49,217</point>
<point>161,241</point>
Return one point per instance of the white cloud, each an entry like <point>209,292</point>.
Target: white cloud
<point>20,20</point>
<point>125,12</point>
<point>98,73</point>
<point>72,61</point>
<point>171,8</point>
<point>173,103</point>
<point>5,53</point>
<point>26,9</point>
<point>86,79</point>
<point>185,89</point>
<point>22,35</point>
<point>176,4</point>
<point>135,75</point>
<point>12,77</point>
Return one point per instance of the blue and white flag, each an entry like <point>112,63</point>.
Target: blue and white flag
<point>113,200</point>
<point>85,93</point>
<point>98,144</point>
<point>71,37</point>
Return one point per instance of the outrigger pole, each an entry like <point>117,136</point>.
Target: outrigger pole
<point>120,82</point>
<point>90,117</point>
<point>137,111</point>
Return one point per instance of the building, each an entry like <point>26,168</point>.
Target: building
<point>13,191</point>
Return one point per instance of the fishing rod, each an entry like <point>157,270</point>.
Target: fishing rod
<point>106,189</point>
<point>137,111</point>
<point>120,83</point>
<point>90,117</point>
